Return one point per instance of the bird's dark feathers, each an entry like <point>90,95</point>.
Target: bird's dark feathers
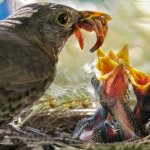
<point>30,41</point>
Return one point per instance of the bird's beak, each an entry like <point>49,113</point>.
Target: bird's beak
<point>112,74</point>
<point>100,53</point>
<point>139,80</point>
<point>92,21</point>
<point>116,82</point>
<point>93,14</point>
<point>113,57</point>
<point>123,54</point>
<point>141,86</point>
<point>105,65</point>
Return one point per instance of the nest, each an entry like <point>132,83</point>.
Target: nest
<point>53,129</point>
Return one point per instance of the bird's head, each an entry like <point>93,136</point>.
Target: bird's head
<point>53,24</point>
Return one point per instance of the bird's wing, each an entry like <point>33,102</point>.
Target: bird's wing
<point>22,64</point>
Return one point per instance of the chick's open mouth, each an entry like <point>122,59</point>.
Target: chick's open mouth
<point>92,21</point>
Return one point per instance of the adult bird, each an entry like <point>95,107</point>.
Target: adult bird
<point>30,41</point>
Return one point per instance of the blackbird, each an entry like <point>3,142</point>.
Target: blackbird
<point>30,40</point>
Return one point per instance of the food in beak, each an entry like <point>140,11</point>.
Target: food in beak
<point>92,21</point>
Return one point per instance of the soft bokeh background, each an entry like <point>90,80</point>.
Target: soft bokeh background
<point>130,25</point>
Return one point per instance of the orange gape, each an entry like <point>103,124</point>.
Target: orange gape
<point>139,80</point>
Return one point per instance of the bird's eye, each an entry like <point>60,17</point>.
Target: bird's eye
<point>63,19</point>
